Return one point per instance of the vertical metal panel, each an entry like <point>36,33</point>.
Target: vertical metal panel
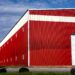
<point>60,12</point>
<point>20,46</point>
<point>16,46</point>
<point>50,43</point>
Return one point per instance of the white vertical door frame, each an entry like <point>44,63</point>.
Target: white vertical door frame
<point>73,49</point>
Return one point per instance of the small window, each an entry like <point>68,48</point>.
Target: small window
<point>16,35</point>
<point>7,43</point>
<point>11,39</point>
<point>16,58</point>
<point>22,56</point>
<point>11,59</point>
<point>7,60</point>
<point>4,60</point>
<point>23,29</point>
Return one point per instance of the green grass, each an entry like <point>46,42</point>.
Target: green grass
<point>35,73</point>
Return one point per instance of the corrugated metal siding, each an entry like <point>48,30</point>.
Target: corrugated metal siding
<point>62,12</point>
<point>15,50</point>
<point>50,43</point>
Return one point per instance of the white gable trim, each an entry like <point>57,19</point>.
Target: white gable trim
<point>22,21</point>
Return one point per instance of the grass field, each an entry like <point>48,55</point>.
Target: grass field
<point>35,73</point>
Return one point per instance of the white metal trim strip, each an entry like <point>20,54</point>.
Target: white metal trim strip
<point>51,9</point>
<point>73,49</point>
<point>28,42</point>
<point>52,18</point>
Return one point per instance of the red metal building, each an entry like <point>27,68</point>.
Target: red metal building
<point>40,38</point>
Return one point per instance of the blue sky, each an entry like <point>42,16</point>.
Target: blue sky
<point>12,10</point>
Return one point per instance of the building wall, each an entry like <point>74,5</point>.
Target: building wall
<point>15,51</point>
<point>50,38</point>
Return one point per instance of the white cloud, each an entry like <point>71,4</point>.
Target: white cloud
<point>58,2</point>
<point>12,8</point>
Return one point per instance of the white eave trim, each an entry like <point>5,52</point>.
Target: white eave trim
<point>50,8</point>
<point>52,18</point>
<point>22,21</point>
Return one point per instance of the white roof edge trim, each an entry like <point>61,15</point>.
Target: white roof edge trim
<point>22,21</point>
<point>51,8</point>
<point>51,18</point>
